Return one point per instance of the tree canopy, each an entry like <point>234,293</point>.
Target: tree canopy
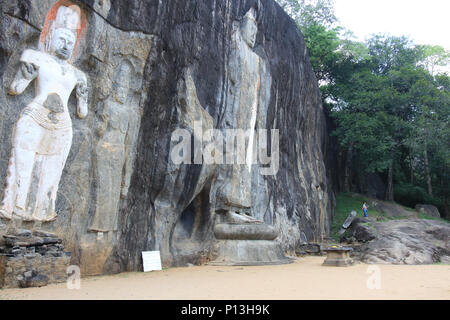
<point>389,99</point>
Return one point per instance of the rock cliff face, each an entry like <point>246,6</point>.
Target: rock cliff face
<point>174,64</point>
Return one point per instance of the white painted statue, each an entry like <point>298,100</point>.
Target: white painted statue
<point>43,134</point>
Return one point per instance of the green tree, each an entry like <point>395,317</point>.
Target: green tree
<point>307,12</point>
<point>317,21</point>
<point>372,105</point>
<point>433,58</point>
<point>388,97</point>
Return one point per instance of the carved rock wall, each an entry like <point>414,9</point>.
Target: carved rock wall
<point>179,55</point>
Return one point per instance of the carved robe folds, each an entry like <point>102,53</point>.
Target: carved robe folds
<point>110,161</point>
<point>41,140</point>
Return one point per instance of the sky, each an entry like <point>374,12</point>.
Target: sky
<point>424,21</point>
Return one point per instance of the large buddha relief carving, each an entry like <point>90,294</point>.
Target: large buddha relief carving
<point>247,99</point>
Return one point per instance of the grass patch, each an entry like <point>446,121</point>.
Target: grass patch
<point>348,202</point>
<point>428,217</point>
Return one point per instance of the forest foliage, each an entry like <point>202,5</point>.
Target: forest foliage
<point>390,102</point>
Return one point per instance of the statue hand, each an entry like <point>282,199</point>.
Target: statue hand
<point>82,90</point>
<point>26,73</point>
<point>29,70</point>
<point>82,96</point>
<point>102,123</point>
<point>101,130</point>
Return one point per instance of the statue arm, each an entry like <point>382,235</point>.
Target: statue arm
<point>103,121</point>
<point>26,73</point>
<point>127,177</point>
<point>82,97</point>
<point>130,140</point>
<point>234,58</point>
<point>265,83</point>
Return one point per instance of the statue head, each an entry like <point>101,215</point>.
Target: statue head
<point>63,36</point>
<point>121,84</point>
<point>249,28</point>
<point>62,43</point>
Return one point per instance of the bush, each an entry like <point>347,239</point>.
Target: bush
<point>410,196</point>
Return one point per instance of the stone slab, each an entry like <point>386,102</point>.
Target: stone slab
<point>248,253</point>
<point>338,257</point>
<point>228,231</point>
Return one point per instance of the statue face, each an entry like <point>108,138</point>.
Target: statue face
<point>121,84</point>
<point>249,29</point>
<point>63,43</point>
<point>120,94</point>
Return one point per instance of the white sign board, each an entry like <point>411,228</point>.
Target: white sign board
<point>151,260</point>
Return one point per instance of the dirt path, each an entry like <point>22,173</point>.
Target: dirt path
<point>304,279</point>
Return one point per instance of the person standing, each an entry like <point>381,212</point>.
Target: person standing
<point>364,207</point>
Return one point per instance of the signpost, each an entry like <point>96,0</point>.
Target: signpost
<point>151,260</point>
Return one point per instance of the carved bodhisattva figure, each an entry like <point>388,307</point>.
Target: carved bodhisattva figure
<point>43,134</point>
<point>113,163</point>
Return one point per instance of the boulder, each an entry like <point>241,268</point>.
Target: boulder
<point>403,241</point>
<point>310,248</point>
<point>392,209</point>
<point>428,210</point>
<point>362,230</point>
<point>33,280</point>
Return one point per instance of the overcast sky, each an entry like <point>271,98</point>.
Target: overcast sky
<point>424,21</point>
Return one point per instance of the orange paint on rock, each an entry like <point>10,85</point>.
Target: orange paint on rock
<point>51,17</point>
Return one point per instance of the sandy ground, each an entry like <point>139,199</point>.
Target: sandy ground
<point>304,279</point>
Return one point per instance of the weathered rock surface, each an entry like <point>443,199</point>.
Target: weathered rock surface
<point>392,209</point>
<point>248,253</point>
<point>428,210</point>
<point>308,248</point>
<point>245,232</point>
<point>176,55</point>
<point>414,241</point>
<point>32,259</point>
<point>33,280</point>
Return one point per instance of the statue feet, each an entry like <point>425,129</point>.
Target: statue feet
<point>241,218</point>
<point>22,215</point>
<point>49,218</point>
<point>5,214</point>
